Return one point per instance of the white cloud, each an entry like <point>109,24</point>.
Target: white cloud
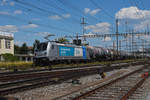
<point>4,13</point>
<point>139,19</point>
<point>91,12</point>
<point>55,17</point>
<point>107,39</point>
<point>86,10</point>
<point>43,34</point>
<point>147,37</point>
<point>132,13</point>
<point>29,26</point>
<point>17,12</point>
<point>94,12</point>
<point>66,15</point>
<point>3,2</point>
<point>141,49</point>
<point>99,28</point>
<point>143,25</point>
<point>11,3</point>
<point>9,28</point>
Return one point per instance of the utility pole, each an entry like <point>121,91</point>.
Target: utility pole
<point>113,45</point>
<point>130,49</point>
<point>126,26</point>
<point>126,47</point>
<point>117,36</point>
<point>83,23</point>
<point>132,43</point>
<point>147,27</point>
<point>120,45</point>
<point>143,48</point>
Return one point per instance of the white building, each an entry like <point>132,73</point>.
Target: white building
<point>6,43</point>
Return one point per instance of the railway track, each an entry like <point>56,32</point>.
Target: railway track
<point>121,88</point>
<point>16,83</point>
<point>60,68</point>
<point>36,74</point>
<point>43,80</point>
<point>50,74</point>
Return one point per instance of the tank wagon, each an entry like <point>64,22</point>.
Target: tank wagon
<point>48,53</point>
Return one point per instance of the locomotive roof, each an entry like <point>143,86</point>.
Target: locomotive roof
<point>61,44</point>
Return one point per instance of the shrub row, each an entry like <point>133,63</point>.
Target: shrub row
<point>16,65</point>
<point>27,65</point>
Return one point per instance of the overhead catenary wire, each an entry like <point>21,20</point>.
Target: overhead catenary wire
<point>30,22</point>
<point>34,6</point>
<point>137,12</point>
<point>74,20</point>
<point>51,13</point>
<point>143,16</point>
<point>9,31</point>
<point>50,27</point>
<point>78,10</point>
<point>41,9</point>
<point>97,5</point>
<point>133,2</point>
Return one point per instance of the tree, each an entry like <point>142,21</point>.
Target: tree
<point>24,49</point>
<point>10,57</point>
<point>16,49</point>
<point>36,42</point>
<point>63,40</point>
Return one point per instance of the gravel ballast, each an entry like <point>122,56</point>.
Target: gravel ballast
<point>60,90</point>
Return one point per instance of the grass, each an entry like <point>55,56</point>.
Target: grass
<point>28,65</point>
<point>93,63</point>
<point>16,65</point>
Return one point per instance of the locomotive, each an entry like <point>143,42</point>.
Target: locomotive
<point>48,53</point>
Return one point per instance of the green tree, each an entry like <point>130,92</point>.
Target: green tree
<point>24,49</point>
<point>63,40</point>
<point>16,49</point>
<point>10,57</point>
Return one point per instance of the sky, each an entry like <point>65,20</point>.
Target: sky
<point>34,19</point>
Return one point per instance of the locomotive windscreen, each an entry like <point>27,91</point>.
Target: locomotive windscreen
<point>42,46</point>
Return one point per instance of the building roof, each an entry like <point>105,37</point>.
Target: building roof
<point>6,35</point>
<point>30,47</point>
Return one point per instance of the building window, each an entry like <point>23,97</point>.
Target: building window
<point>7,44</point>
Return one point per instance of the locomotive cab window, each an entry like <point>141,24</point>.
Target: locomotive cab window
<point>42,46</point>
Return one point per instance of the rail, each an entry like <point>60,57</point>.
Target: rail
<point>102,90</point>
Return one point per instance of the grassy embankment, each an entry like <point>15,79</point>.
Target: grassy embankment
<point>28,65</point>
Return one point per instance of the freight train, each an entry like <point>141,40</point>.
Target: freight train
<point>48,53</point>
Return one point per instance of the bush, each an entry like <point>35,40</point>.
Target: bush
<point>10,57</point>
<point>18,65</point>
